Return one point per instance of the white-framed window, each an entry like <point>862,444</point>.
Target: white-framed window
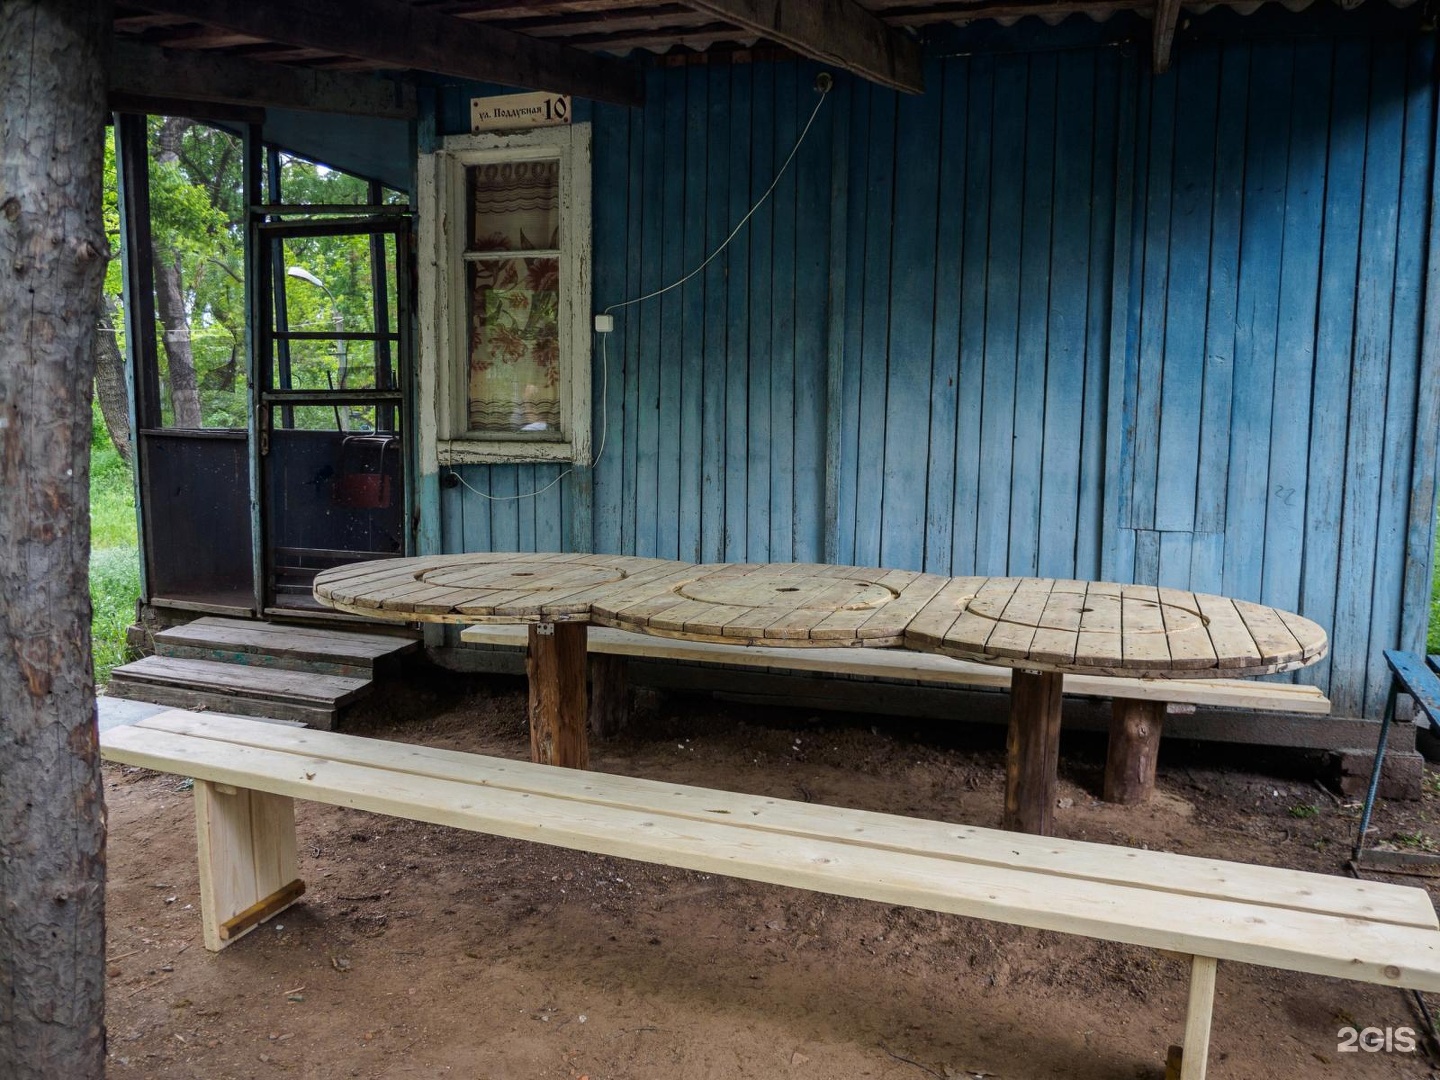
<point>505,296</point>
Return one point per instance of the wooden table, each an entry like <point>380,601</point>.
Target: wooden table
<point>1043,628</point>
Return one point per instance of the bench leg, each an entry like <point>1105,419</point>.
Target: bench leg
<point>556,667</point>
<point>247,859</point>
<point>1032,751</point>
<point>609,695</point>
<point>1188,1062</point>
<point>1134,748</point>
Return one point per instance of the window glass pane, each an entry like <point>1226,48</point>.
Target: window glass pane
<point>514,206</point>
<point>514,376</point>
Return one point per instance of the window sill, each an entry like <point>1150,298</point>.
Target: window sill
<point>490,452</point>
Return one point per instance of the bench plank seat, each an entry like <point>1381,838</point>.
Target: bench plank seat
<point>1280,918</point>
<point>931,669</point>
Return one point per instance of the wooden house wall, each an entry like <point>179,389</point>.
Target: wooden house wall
<point>1057,316</point>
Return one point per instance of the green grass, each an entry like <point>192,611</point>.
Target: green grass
<point>1432,639</point>
<point>114,554</point>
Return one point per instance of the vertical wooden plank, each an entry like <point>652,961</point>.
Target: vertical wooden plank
<point>1295,341</point>
<point>1350,636</point>
<point>609,694</point>
<point>858,193</point>
<point>527,505</point>
<point>836,302</point>
<point>1076,140</point>
<point>227,870</point>
<point>272,842</point>
<point>1147,557</point>
<point>782,322</point>
<point>1420,535</point>
<point>1397,468</point>
<point>715,347</point>
<point>690,358</point>
<point>452,519</point>
<point>553,507</point>
<point>654,229</point>
<point>1198,1013</point>
<point>1257,316</point>
<point>1117,548</point>
<point>974,273</point>
<point>475,510</point>
<point>671,358</point>
<point>812,261</point>
<point>627,373</point>
<point>911,304</point>
<point>874,356</point>
<point>737,277</point>
<point>559,711</point>
<point>762,172</point>
<point>1207,569</point>
<point>1032,339</point>
<point>1197,72</point>
<point>1002,314</point>
<point>504,505</point>
<point>1091,524</point>
<point>609,229</point>
<point>1174,559</point>
<point>940,495</point>
<point>1155,285</point>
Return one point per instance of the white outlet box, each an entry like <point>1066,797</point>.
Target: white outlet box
<point>604,324</point>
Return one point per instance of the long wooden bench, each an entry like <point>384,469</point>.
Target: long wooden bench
<point>247,774</point>
<point>1137,716</point>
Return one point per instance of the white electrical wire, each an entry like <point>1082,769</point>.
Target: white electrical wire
<point>824,91</point>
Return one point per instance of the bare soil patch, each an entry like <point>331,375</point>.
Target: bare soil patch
<point>424,951</point>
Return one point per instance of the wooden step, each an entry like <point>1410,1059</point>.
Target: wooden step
<point>251,691</point>
<point>318,650</point>
<point>180,697</point>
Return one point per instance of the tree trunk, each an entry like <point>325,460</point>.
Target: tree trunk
<point>52,815</point>
<point>110,381</point>
<point>170,301</point>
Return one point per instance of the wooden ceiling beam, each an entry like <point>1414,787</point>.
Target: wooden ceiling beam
<point>1167,14</point>
<point>145,72</point>
<point>400,35</point>
<point>838,32</point>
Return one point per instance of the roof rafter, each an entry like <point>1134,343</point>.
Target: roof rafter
<point>142,71</point>
<point>839,32</point>
<point>401,35</point>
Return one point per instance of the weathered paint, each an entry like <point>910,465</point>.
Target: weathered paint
<point>1057,316</point>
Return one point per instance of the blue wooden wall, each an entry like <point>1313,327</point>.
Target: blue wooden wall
<point>1056,316</point>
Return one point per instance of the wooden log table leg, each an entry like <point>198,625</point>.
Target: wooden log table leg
<point>1134,749</point>
<point>609,694</point>
<point>1032,751</point>
<point>556,667</point>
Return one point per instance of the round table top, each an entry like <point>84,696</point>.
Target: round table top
<point>1102,627</point>
<point>1039,623</point>
<point>793,604</point>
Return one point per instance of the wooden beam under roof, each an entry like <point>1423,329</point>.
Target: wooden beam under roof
<point>1167,14</point>
<point>398,34</point>
<point>839,32</point>
<point>141,71</point>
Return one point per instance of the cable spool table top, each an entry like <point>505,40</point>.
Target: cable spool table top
<point>1039,623</point>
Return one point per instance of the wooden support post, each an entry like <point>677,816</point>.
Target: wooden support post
<point>609,694</point>
<point>1135,728</point>
<point>1032,751</point>
<point>556,667</point>
<point>1188,1062</point>
<point>247,859</point>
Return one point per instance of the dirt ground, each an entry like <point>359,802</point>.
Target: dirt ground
<point>425,951</point>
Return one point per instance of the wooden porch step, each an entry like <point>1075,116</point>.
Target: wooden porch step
<point>308,697</point>
<point>318,650</point>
